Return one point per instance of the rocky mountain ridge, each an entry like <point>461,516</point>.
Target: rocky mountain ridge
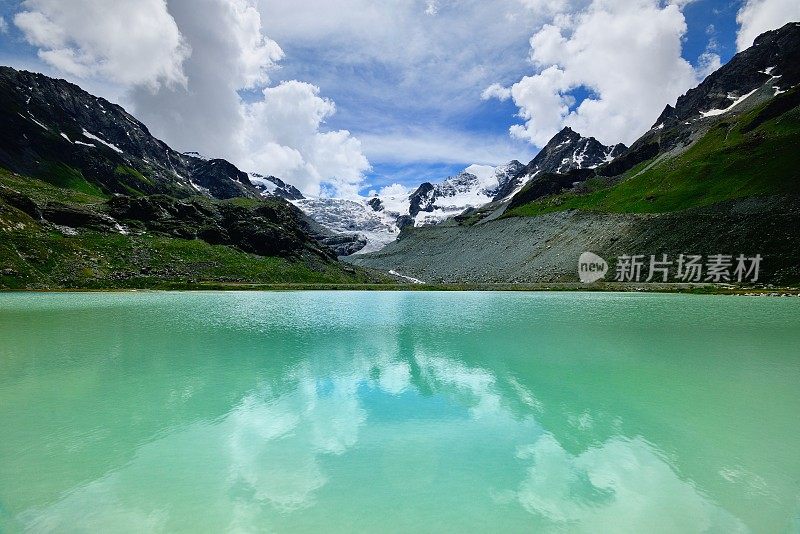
<point>771,59</point>
<point>566,151</point>
<point>380,219</point>
<point>54,127</point>
<point>78,166</point>
<point>273,186</point>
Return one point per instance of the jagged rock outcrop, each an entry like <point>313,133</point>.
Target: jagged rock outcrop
<point>772,58</point>
<point>421,199</point>
<point>566,151</point>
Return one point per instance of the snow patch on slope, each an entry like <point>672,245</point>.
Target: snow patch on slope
<point>736,102</point>
<point>266,185</point>
<point>112,146</point>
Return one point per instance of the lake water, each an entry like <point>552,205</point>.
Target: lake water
<point>385,412</point>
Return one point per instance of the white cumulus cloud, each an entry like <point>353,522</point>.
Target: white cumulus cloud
<point>625,54</point>
<point>403,70</point>
<point>275,129</point>
<point>757,16</point>
<point>287,122</point>
<point>496,91</point>
<point>197,72</point>
<point>131,41</point>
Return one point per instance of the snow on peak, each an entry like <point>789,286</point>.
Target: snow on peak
<point>486,175</point>
<point>380,216</point>
<point>257,179</point>
<point>395,198</point>
<point>197,155</point>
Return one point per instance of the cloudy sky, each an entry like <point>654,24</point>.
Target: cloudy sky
<point>347,96</point>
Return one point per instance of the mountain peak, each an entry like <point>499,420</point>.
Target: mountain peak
<point>666,115</point>
<point>565,134</point>
<point>566,151</point>
<point>53,120</point>
<point>774,59</point>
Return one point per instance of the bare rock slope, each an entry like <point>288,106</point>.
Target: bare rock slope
<point>546,248</point>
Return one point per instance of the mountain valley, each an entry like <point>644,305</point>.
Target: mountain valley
<point>89,198</point>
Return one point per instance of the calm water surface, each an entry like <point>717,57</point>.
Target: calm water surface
<point>383,412</point>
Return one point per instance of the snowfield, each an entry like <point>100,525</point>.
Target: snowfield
<point>473,187</point>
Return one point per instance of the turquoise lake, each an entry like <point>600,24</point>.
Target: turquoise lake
<point>398,412</point>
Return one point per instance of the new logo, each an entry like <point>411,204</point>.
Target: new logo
<point>591,267</point>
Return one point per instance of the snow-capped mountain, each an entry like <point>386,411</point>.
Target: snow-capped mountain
<point>475,186</point>
<point>753,77</point>
<point>567,151</point>
<point>769,66</point>
<point>49,121</point>
<point>382,216</point>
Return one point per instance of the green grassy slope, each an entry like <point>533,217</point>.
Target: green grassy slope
<point>755,154</point>
<point>33,259</point>
<point>37,256</point>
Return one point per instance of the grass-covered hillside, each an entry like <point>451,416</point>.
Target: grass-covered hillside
<point>753,154</point>
<point>66,234</point>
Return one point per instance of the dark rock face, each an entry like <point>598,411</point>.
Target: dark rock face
<point>344,244</point>
<point>375,204</point>
<point>549,184</point>
<point>629,159</point>
<point>422,199</point>
<point>51,127</point>
<point>266,228</point>
<point>566,151</point>
<point>405,221</point>
<point>774,55</point>
<point>74,217</point>
<point>221,178</point>
<point>21,202</point>
<point>669,115</point>
<point>270,228</point>
<point>506,174</point>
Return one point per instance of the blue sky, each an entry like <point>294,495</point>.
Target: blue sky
<point>348,96</point>
<point>706,20</point>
